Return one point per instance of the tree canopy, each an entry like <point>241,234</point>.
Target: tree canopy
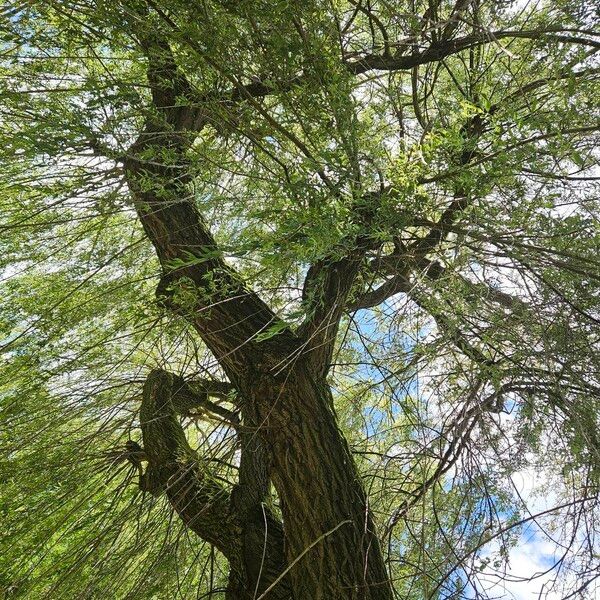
<point>292,295</point>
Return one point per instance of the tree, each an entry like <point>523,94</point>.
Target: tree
<point>292,290</point>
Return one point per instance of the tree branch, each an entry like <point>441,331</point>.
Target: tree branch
<point>329,282</point>
<point>188,396</point>
<point>395,285</point>
<point>441,50</point>
<point>173,467</point>
<point>239,525</point>
<point>194,117</point>
<point>196,280</point>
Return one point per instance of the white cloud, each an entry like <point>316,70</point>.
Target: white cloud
<point>534,563</point>
<point>529,574</point>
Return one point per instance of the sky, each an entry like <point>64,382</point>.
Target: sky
<point>529,573</point>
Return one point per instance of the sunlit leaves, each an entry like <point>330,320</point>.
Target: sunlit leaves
<point>285,178</point>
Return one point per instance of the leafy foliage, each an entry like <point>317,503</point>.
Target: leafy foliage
<point>462,172</point>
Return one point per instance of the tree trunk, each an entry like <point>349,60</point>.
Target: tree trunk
<point>330,540</point>
<point>331,549</point>
<point>238,524</point>
<point>330,544</point>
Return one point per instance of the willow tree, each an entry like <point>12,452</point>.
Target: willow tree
<point>291,290</point>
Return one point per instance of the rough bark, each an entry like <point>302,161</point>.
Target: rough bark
<point>239,524</point>
<point>323,501</point>
<point>331,548</point>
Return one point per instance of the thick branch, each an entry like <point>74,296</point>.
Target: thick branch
<point>413,257</point>
<point>441,50</point>
<point>240,525</point>
<point>174,468</point>
<point>433,270</point>
<point>399,62</point>
<point>395,285</point>
<point>328,284</point>
<point>197,282</point>
<point>399,283</point>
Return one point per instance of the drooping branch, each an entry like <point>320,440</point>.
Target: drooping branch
<point>449,328</point>
<point>456,17</point>
<point>454,440</point>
